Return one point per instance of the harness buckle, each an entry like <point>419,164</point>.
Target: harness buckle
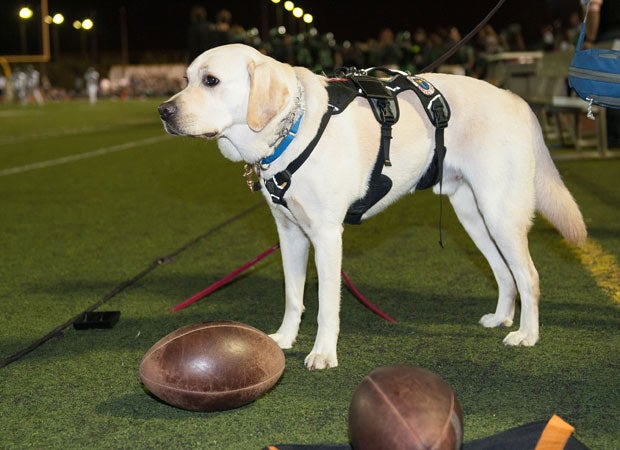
<point>386,111</point>
<point>278,185</point>
<point>439,111</point>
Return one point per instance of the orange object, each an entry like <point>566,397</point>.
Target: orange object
<point>556,434</point>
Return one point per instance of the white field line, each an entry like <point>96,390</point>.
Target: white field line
<point>81,156</point>
<point>19,139</point>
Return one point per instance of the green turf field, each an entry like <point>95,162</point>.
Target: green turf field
<point>90,196</point>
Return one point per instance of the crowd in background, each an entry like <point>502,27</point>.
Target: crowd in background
<point>408,50</point>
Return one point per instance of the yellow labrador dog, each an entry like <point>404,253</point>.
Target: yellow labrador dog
<point>496,173</point>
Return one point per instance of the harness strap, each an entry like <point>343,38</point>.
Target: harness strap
<point>439,117</point>
<point>382,102</point>
<point>386,133</point>
<point>281,181</point>
<point>378,186</point>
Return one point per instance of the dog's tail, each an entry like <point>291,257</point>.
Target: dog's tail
<point>554,200</point>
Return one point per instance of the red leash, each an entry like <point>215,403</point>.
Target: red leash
<point>364,300</point>
<point>227,279</point>
<point>235,273</point>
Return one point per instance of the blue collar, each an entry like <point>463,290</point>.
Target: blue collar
<point>284,144</point>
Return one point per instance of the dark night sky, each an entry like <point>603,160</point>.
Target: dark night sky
<point>161,25</point>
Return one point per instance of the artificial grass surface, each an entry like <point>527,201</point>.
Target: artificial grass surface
<point>70,233</point>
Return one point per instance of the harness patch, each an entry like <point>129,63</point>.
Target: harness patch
<point>422,85</point>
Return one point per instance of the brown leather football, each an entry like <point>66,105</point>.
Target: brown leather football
<point>212,366</point>
<point>404,407</point>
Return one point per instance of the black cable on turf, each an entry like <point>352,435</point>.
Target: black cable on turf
<point>58,331</point>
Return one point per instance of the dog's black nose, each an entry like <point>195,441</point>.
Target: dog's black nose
<point>167,110</point>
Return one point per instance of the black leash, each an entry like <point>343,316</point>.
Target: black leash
<point>432,66</point>
<point>59,330</point>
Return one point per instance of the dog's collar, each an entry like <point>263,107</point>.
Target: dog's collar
<point>283,145</point>
<point>290,126</point>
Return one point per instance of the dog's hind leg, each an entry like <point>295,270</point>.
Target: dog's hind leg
<point>294,246</point>
<point>466,209</point>
<point>507,213</point>
<point>513,245</point>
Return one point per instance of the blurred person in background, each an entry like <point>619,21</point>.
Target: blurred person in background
<point>390,53</point>
<point>19,83</point>
<point>33,84</point>
<point>91,78</point>
<point>462,61</point>
<point>603,24</point>
<point>421,49</point>
<point>201,33</point>
<point>3,84</point>
<point>223,28</point>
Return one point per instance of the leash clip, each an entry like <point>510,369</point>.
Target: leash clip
<point>248,173</point>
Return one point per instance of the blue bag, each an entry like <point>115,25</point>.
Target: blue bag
<point>594,74</point>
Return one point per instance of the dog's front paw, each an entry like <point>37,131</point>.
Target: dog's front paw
<point>493,321</point>
<point>319,361</point>
<point>521,338</point>
<point>282,341</point>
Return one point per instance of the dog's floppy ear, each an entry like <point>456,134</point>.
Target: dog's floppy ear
<point>268,94</point>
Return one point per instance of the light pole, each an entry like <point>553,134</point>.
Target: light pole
<point>297,14</point>
<point>25,14</point>
<point>278,13</point>
<point>84,27</point>
<point>308,19</point>
<point>289,6</point>
<point>56,20</point>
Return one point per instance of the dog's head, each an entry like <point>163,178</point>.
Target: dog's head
<point>232,92</point>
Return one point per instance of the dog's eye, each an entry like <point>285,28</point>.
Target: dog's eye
<point>210,80</point>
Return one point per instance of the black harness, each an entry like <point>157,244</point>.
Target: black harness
<point>382,97</point>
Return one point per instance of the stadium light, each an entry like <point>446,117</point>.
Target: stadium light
<point>87,24</point>
<point>275,1</point>
<point>57,19</point>
<point>308,18</point>
<point>298,12</point>
<point>289,5</point>
<point>25,13</point>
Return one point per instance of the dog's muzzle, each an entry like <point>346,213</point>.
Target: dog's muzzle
<point>167,112</point>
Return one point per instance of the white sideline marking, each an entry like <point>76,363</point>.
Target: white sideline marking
<point>17,139</point>
<point>81,156</point>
